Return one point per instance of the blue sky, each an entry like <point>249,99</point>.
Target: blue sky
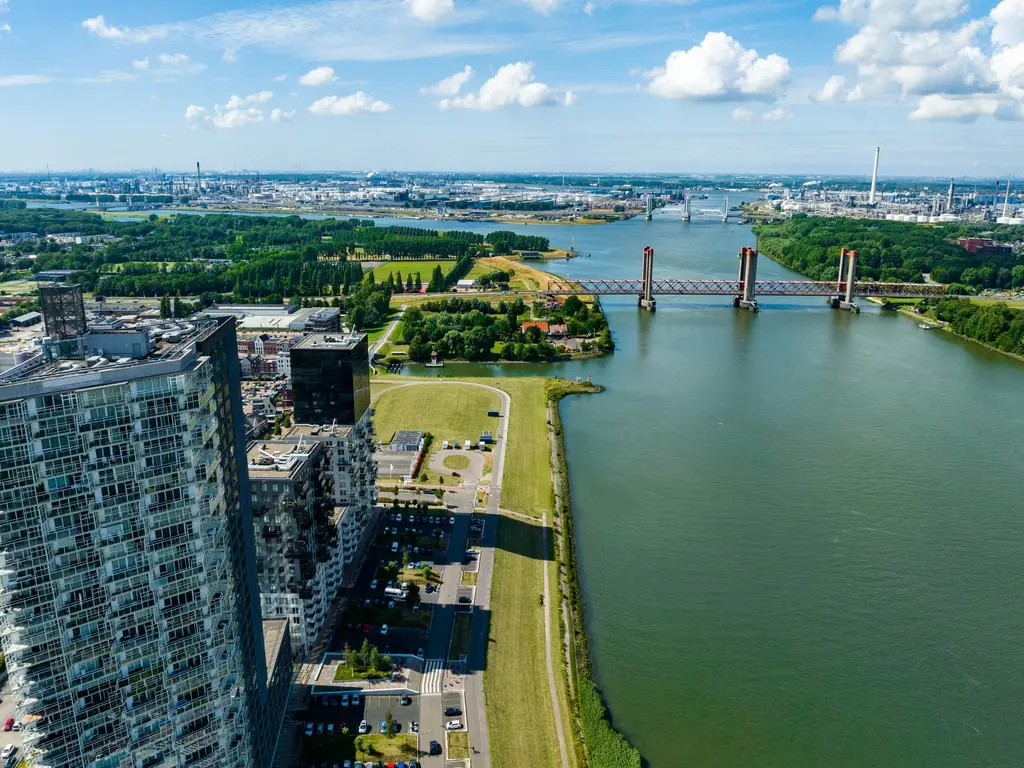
<point>515,85</point>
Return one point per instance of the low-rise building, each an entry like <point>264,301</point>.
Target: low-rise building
<point>29,318</point>
<point>326,320</point>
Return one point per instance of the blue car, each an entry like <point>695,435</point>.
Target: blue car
<point>383,726</point>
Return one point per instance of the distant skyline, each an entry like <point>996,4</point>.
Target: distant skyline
<point>520,86</point>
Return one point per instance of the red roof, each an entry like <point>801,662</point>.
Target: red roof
<point>541,325</point>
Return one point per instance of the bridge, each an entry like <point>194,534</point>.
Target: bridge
<point>839,294</point>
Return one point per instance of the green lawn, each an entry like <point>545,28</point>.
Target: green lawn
<point>456,461</point>
<point>469,578</point>
<point>17,288</point>
<point>376,746</point>
<point>527,484</point>
<point>458,745</point>
<point>460,635</point>
<point>345,672</point>
<point>425,268</point>
<point>450,413</point>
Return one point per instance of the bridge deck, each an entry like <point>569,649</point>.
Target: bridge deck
<point>556,287</point>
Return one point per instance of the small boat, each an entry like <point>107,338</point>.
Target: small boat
<point>926,327</point>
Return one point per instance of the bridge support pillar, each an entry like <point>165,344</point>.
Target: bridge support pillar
<point>647,295</point>
<point>847,283</point>
<point>747,280</point>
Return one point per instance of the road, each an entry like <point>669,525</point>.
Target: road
<point>387,334</point>
<point>475,714</point>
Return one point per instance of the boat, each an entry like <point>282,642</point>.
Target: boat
<point>926,327</point>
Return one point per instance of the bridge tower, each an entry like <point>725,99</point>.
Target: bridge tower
<point>647,288</point>
<point>686,208</point>
<point>725,210</point>
<point>846,284</point>
<point>649,206</point>
<point>747,298</point>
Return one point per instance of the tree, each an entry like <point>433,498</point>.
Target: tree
<point>427,573</point>
<point>439,492</point>
<point>413,598</point>
<point>374,661</point>
<point>364,653</point>
<point>405,559</point>
<point>165,307</point>
<point>389,720</point>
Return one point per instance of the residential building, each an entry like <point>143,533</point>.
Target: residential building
<point>284,363</point>
<point>326,320</point>
<point>558,330</point>
<point>129,605</point>
<point>540,325</point>
<point>985,246</point>
<point>292,536</point>
<point>277,648</point>
<point>331,379</point>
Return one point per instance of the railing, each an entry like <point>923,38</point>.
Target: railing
<point>556,287</point>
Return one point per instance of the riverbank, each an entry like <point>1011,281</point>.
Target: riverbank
<point>595,739</point>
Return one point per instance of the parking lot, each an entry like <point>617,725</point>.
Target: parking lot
<point>7,711</point>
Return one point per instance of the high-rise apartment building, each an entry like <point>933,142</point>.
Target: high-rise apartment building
<point>129,608</point>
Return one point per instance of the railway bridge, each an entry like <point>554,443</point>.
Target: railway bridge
<point>839,294</point>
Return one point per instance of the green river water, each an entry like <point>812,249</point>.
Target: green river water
<point>801,533</point>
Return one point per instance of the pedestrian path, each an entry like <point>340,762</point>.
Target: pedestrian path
<point>433,677</point>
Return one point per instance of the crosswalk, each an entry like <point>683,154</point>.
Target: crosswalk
<point>433,677</point>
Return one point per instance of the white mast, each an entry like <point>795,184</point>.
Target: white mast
<point>874,177</point>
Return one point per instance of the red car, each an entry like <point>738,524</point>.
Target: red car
<point>9,724</point>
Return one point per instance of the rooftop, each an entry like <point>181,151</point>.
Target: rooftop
<point>331,341</point>
<point>275,459</point>
<point>319,430</point>
<point>274,633</point>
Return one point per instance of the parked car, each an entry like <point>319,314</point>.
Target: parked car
<point>319,729</point>
<point>330,729</point>
<point>406,700</point>
<point>419,652</point>
<point>9,724</point>
<point>344,699</point>
<point>373,584</point>
<point>309,729</point>
<point>452,711</point>
<point>435,748</point>
<point>456,474</point>
<point>414,727</point>
<point>355,699</point>
<point>394,546</point>
<point>364,727</point>
<point>9,750</point>
<point>453,725</point>
<point>465,599</point>
<point>383,726</point>
<point>384,629</point>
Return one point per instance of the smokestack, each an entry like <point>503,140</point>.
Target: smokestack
<point>199,178</point>
<point>874,177</point>
<point>1006,200</point>
<point>949,198</point>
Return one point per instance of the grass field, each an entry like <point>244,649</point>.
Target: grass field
<point>526,278</point>
<point>469,578</point>
<point>116,268</point>
<point>527,484</point>
<point>460,635</point>
<point>450,413</point>
<point>17,288</point>
<point>458,745</point>
<point>425,268</point>
<point>456,461</point>
<point>1018,304</point>
<point>376,746</point>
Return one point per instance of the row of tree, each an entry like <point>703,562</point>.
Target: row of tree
<point>993,323</point>
<point>888,250</point>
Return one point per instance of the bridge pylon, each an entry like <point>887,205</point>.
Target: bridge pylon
<point>846,284</point>
<point>647,300</point>
<point>747,298</point>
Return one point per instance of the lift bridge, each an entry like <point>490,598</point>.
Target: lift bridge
<point>839,294</point>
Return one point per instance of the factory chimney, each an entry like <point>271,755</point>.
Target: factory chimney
<point>1006,200</point>
<point>874,177</point>
<point>949,198</point>
<point>199,179</point>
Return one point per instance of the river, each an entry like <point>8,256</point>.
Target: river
<point>800,532</point>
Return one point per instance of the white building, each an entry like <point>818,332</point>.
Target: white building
<point>128,601</point>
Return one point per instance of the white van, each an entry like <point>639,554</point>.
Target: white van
<point>444,446</point>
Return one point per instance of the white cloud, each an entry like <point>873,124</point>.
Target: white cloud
<point>777,114</point>
<point>570,99</point>
<point>742,115</point>
<point>1008,69</point>
<point>1008,18</point>
<point>833,89</point>
<point>236,102</point>
<point>279,78</point>
<point>543,6</point>
<point>107,77</point>
<point>5,29</point>
<point>965,109</point>
<point>98,26</point>
<point>430,10</point>
<point>282,116</point>
<point>719,68</point>
<point>175,65</point>
<point>588,9</point>
<point>512,84</point>
<point>196,115</point>
<point>236,118</point>
<point>893,14</point>
<point>12,81</point>
<point>451,85</point>
<point>141,65</point>
<point>230,55</point>
<point>355,104</point>
<point>318,76</point>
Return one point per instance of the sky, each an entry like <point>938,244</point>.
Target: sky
<point>670,86</point>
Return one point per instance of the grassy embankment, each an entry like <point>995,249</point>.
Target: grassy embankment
<point>425,268</point>
<point>449,413</point>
